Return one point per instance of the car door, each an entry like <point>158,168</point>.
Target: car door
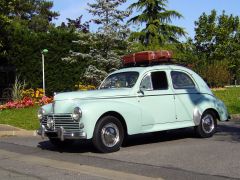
<point>186,94</point>
<point>156,100</point>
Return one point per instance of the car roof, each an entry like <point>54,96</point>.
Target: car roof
<point>148,68</point>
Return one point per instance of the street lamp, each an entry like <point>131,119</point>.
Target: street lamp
<point>44,51</point>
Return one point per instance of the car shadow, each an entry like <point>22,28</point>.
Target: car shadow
<point>227,131</point>
<point>85,146</point>
<point>78,146</point>
<point>162,136</point>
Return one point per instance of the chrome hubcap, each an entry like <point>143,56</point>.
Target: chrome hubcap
<point>208,124</point>
<point>110,135</point>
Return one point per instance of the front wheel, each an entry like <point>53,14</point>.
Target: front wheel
<point>108,134</point>
<point>207,126</point>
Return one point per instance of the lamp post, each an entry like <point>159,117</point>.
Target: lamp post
<point>44,51</point>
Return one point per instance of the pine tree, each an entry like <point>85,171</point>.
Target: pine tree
<point>110,37</point>
<point>107,44</point>
<point>157,20</point>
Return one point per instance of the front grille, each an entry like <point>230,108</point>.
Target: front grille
<point>61,120</point>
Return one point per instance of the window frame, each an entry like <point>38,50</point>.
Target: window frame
<point>150,74</point>
<point>138,75</point>
<point>188,75</point>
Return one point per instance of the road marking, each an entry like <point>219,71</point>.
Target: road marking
<point>84,169</point>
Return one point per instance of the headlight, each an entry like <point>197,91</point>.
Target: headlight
<point>41,112</point>
<point>77,113</point>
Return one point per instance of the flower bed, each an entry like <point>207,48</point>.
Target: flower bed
<point>30,98</point>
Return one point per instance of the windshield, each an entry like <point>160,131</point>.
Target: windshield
<point>120,80</point>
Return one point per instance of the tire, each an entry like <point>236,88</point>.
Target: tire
<point>58,143</point>
<point>108,135</point>
<point>207,126</point>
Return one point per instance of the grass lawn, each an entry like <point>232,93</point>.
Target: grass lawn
<point>25,118</point>
<point>231,98</point>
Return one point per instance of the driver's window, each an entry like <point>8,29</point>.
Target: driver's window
<point>146,83</point>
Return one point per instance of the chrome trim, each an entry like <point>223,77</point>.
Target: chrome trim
<point>53,107</point>
<point>62,126</point>
<point>196,116</point>
<point>64,120</point>
<point>41,131</point>
<point>62,134</point>
<point>110,135</point>
<point>208,124</point>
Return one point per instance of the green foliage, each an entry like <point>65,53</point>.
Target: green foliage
<point>215,74</point>
<point>26,56</point>
<point>106,45</point>
<point>23,118</point>
<point>217,38</point>
<point>78,55</point>
<point>17,89</point>
<point>157,20</point>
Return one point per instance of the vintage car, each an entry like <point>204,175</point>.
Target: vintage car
<point>131,101</point>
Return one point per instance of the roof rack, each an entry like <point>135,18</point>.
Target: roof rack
<point>147,58</point>
<point>151,58</point>
<point>171,62</point>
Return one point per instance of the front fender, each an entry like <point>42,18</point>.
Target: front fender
<point>93,110</point>
<point>47,108</point>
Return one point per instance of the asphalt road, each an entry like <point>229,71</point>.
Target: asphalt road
<point>174,155</point>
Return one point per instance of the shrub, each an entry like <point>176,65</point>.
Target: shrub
<point>216,74</point>
<point>82,87</point>
<point>30,98</point>
<point>17,89</point>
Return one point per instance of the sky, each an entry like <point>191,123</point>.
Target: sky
<point>190,9</point>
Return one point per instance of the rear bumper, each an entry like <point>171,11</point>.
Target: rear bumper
<point>61,133</point>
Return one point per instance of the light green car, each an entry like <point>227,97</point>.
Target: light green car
<point>133,101</point>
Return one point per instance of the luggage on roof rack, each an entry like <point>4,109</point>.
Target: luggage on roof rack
<point>147,58</point>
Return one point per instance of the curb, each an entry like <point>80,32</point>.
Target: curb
<point>235,116</point>
<point>20,133</point>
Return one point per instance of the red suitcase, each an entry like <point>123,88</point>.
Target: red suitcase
<point>147,57</point>
<point>163,54</point>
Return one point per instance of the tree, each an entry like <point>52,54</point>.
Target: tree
<point>217,39</point>
<point>157,20</point>
<point>5,8</point>
<point>109,18</point>
<point>107,44</point>
<point>76,25</point>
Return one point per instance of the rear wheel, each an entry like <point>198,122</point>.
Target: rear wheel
<point>207,126</point>
<point>108,134</point>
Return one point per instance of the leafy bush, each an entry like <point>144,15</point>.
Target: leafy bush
<point>216,74</point>
<point>82,87</point>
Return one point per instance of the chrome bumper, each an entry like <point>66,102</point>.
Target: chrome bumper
<point>62,134</point>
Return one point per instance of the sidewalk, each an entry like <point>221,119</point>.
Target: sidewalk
<point>7,130</point>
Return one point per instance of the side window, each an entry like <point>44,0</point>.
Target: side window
<point>155,81</point>
<point>146,83</point>
<point>181,80</point>
<point>159,80</point>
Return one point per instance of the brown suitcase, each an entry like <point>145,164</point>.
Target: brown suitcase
<point>147,57</point>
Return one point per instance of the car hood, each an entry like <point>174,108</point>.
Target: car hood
<point>93,94</point>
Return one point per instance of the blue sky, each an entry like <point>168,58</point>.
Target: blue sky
<point>190,9</point>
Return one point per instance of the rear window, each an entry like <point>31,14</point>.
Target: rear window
<point>181,80</point>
